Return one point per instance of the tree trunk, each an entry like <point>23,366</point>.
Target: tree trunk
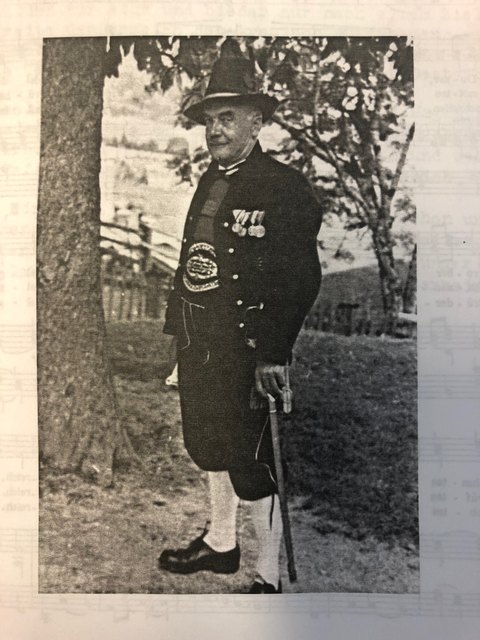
<point>410,289</point>
<point>78,425</point>
<point>390,283</point>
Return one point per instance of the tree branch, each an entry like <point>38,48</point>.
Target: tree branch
<point>358,202</point>
<point>401,161</point>
<point>321,150</point>
<point>301,136</point>
<point>365,135</point>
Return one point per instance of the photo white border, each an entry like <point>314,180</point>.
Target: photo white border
<point>447,161</point>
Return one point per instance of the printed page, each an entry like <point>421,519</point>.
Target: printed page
<point>98,573</point>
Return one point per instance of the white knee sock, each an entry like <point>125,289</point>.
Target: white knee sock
<point>267,520</point>
<point>222,535</point>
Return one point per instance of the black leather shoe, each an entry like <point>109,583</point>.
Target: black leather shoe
<point>265,587</point>
<point>198,556</point>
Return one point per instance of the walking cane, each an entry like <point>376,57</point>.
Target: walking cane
<point>277,456</point>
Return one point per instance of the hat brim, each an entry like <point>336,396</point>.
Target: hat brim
<point>267,104</point>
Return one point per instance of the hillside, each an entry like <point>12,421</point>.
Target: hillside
<point>353,286</point>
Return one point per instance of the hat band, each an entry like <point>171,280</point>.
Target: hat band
<point>212,96</point>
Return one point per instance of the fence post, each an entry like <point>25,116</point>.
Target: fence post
<point>326,323</point>
<point>122,296</point>
<point>141,296</point>
<point>145,233</point>
<point>368,318</point>
<point>109,281</point>
<point>130,288</point>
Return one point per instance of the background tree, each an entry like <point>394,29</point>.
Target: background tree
<point>347,103</point>
<point>78,425</point>
<point>79,429</point>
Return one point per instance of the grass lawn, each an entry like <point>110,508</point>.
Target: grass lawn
<point>351,445</point>
<point>352,439</point>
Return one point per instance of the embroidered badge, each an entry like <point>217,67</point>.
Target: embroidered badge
<point>201,270</point>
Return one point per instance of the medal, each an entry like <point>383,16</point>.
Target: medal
<point>257,230</point>
<point>260,227</point>
<point>238,224</point>
<point>242,218</point>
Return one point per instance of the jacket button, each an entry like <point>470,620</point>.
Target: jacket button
<point>184,240</point>
<point>225,224</point>
<point>235,276</point>
<point>239,302</point>
<point>241,325</point>
<point>231,250</point>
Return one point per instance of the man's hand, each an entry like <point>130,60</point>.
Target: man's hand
<point>269,378</point>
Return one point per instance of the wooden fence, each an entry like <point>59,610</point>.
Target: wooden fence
<point>349,319</point>
<point>136,273</point>
<point>132,296</point>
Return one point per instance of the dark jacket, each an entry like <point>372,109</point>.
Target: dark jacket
<point>268,284</point>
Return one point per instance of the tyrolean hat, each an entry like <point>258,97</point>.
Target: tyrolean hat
<point>232,78</point>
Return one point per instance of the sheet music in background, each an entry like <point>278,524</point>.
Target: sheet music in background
<point>447,169</point>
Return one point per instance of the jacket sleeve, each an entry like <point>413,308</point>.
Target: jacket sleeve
<point>292,271</point>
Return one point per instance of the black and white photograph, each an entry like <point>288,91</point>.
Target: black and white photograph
<point>226,295</point>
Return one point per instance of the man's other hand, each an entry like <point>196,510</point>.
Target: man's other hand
<point>269,378</point>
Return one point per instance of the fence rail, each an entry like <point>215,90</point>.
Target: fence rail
<point>136,272</point>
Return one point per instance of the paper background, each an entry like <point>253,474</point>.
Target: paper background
<point>447,158</point>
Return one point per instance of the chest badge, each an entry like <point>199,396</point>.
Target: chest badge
<point>248,222</point>
<point>201,270</point>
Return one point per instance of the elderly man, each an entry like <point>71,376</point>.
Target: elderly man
<point>247,276</point>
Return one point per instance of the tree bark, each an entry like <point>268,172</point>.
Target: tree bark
<point>78,425</point>
<point>390,283</point>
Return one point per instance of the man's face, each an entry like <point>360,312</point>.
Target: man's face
<point>231,131</point>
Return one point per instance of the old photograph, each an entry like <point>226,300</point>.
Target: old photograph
<point>227,315</point>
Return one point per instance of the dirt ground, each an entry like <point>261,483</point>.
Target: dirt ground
<point>95,540</point>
